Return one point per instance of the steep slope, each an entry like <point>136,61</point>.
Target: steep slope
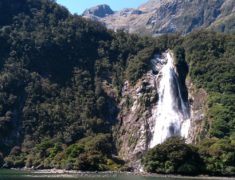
<point>55,73</point>
<point>74,95</point>
<point>209,79</point>
<point>167,16</point>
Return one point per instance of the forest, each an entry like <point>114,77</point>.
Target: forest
<point>55,110</point>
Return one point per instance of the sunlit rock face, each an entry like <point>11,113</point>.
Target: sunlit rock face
<point>153,110</point>
<point>98,11</point>
<point>157,17</point>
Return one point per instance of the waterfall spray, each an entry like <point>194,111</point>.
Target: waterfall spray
<point>172,112</point>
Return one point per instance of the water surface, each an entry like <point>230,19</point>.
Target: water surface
<point>22,175</point>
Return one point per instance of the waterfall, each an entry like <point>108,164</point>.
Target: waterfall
<point>172,113</point>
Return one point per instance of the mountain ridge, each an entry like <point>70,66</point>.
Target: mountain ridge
<point>102,10</point>
<point>168,16</point>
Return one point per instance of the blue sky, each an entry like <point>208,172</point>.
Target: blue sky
<point>78,6</point>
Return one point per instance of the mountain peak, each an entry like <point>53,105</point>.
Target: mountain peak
<point>157,17</point>
<point>102,10</point>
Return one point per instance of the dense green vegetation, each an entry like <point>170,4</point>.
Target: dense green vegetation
<point>89,154</point>
<point>173,156</point>
<point>61,78</point>
<point>211,65</point>
<point>211,156</point>
<point>54,106</point>
<point>211,57</point>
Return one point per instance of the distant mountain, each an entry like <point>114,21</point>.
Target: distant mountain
<point>99,11</point>
<point>166,16</point>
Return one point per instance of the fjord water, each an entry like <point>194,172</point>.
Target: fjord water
<point>172,115</point>
<point>21,175</point>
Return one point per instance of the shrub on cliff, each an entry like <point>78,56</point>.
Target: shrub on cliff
<point>173,156</point>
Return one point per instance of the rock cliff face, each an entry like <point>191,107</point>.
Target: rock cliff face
<point>167,16</point>
<point>198,108</point>
<point>138,115</point>
<point>138,104</point>
<point>134,131</point>
<point>99,11</point>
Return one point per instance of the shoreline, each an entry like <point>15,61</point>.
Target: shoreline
<point>62,173</point>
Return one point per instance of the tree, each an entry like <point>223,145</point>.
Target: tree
<point>173,156</point>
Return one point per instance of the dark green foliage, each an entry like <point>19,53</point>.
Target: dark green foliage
<point>53,102</point>
<point>211,59</point>
<point>218,155</point>
<point>212,156</point>
<point>90,154</point>
<point>16,158</point>
<point>173,157</point>
<point>139,64</point>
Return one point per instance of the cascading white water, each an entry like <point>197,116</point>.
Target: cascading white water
<point>172,113</point>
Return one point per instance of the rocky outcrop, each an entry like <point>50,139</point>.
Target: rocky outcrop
<point>137,116</point>
<point>166,16</point>
<point>136,119</point>
<point>198,107</point>
<point>99,11</point>
<point>134,130</point>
